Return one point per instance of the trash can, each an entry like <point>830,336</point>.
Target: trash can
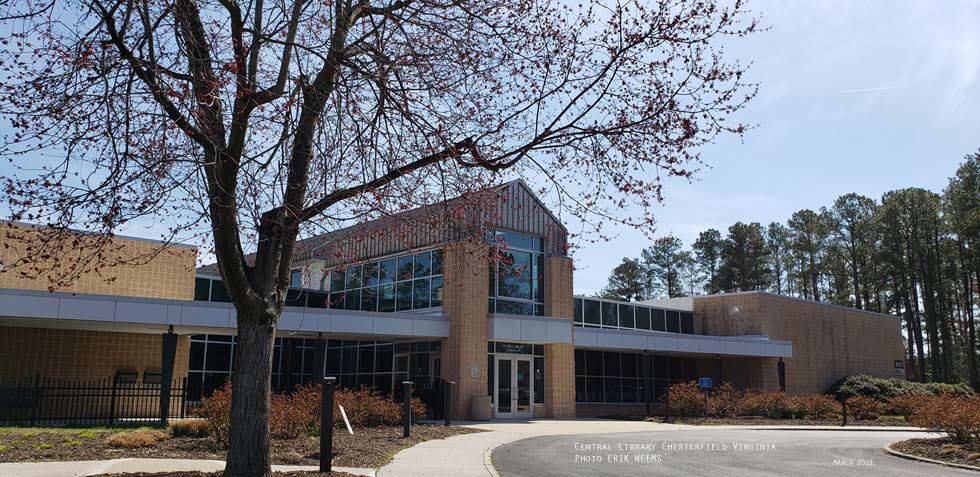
<point>480,408</point>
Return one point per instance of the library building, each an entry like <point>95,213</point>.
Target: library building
<point>428,306</point>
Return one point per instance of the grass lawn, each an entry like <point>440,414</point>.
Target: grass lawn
<point>368,447</point>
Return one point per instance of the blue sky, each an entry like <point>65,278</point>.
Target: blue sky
<point>858,96</point>
<point>855,96</point>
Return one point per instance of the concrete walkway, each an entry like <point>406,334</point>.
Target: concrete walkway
<point>469,455</point>
<point>457,456</point>
<point>118,466</point>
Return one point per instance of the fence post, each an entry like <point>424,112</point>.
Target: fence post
<point>407,409</point>
<point>112,402</point>
<point>842,397</point>
<point>326,424</point>
<point>447,400</point>
<point>167,373</point>
<point>36,398</point>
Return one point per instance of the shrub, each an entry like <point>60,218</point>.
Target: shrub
<point>368,408</point>
<point>956,416</point>
<point>298,413</point>
<point>685,399</point>
<point>905,404</point>
<point>814,406</point>
<point>864,408</point>
<point>216,411</point>
<point>884,389</point>
<point>137,439</point>
<point>771,404</point>
<point>725,401</point>
<point>189,428</point>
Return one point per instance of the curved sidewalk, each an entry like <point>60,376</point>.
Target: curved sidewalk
<point>120,466</point>
<point>468,455</point>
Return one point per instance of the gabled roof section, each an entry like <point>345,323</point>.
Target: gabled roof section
<point>515,207</point>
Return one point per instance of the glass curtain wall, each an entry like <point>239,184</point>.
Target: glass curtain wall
<point>597,313</point>
<point>517,275</point>
<point>403,282</point>
<point>614,377</point>
<point>375,364</point>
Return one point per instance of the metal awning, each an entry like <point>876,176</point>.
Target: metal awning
<point>622,340</point>
<point>150,315</point>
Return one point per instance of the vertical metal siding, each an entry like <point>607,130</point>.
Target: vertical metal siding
<point>516,208</point>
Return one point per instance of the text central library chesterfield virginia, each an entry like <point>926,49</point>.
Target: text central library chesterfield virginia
<point>424,307</point>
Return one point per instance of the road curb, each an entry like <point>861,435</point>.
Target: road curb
<point>848,429</point>
<point>903,455</point>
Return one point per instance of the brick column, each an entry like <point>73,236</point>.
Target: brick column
<point>559,358</point>
<point>466,283</point>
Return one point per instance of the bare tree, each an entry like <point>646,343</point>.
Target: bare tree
<point>247,125</point>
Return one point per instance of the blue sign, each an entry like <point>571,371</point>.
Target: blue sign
<point>704,383</point>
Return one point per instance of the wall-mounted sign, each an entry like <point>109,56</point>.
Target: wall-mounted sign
<point>900,368</point>
<point>514,348</point>
<point>474,370</point>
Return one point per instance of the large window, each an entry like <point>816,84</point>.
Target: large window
<point>400,283</point>
<point>605,376</point>
<point>377,364</point>
<point>517,274</point>
<point>599,313</point>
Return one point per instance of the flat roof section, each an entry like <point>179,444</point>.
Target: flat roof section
<point>149,315</point>
<point>659,341</point>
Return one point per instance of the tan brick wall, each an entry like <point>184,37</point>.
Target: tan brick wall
<point>151,271</point>
<point>467,281</point>
<point>559,358</point>
<point>829,342</point>
<point>77,354</point>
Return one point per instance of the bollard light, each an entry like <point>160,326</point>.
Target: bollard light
<point>326,424</point>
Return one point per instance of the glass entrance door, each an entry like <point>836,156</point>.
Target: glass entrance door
<point>514,393</point>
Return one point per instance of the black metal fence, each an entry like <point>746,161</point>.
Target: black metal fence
<point>41,401</point>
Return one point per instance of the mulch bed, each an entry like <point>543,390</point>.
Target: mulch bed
<point>942,449</point>
<point>295,473</point>
<point>368,447</point>
<point>763,421</point>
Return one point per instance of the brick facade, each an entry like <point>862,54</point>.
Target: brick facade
<point>829,342</point>
<point>559,358</point>
<point>78,354</point>
<point>155,270</point>
<point>466,284</point>
<point>143,268</point>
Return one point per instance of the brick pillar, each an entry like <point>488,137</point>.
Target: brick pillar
<point>559,358</point>
<point>466,283</point>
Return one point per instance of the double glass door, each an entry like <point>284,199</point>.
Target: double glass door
<point>514,393</point>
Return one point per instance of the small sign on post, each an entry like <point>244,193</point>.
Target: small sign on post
<point>343,413</point>
<point>705,385</point>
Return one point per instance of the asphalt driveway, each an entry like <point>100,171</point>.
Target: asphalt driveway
<point>727,452</point>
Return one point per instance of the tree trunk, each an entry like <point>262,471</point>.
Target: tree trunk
<point>248,442</point>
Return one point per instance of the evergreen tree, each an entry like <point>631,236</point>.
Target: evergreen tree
<point>627,282</point>
<point>707,258</point>
<point>809,238</point>
<point>663,262</point>
<point>777,248</point>
<point>744,259</point>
